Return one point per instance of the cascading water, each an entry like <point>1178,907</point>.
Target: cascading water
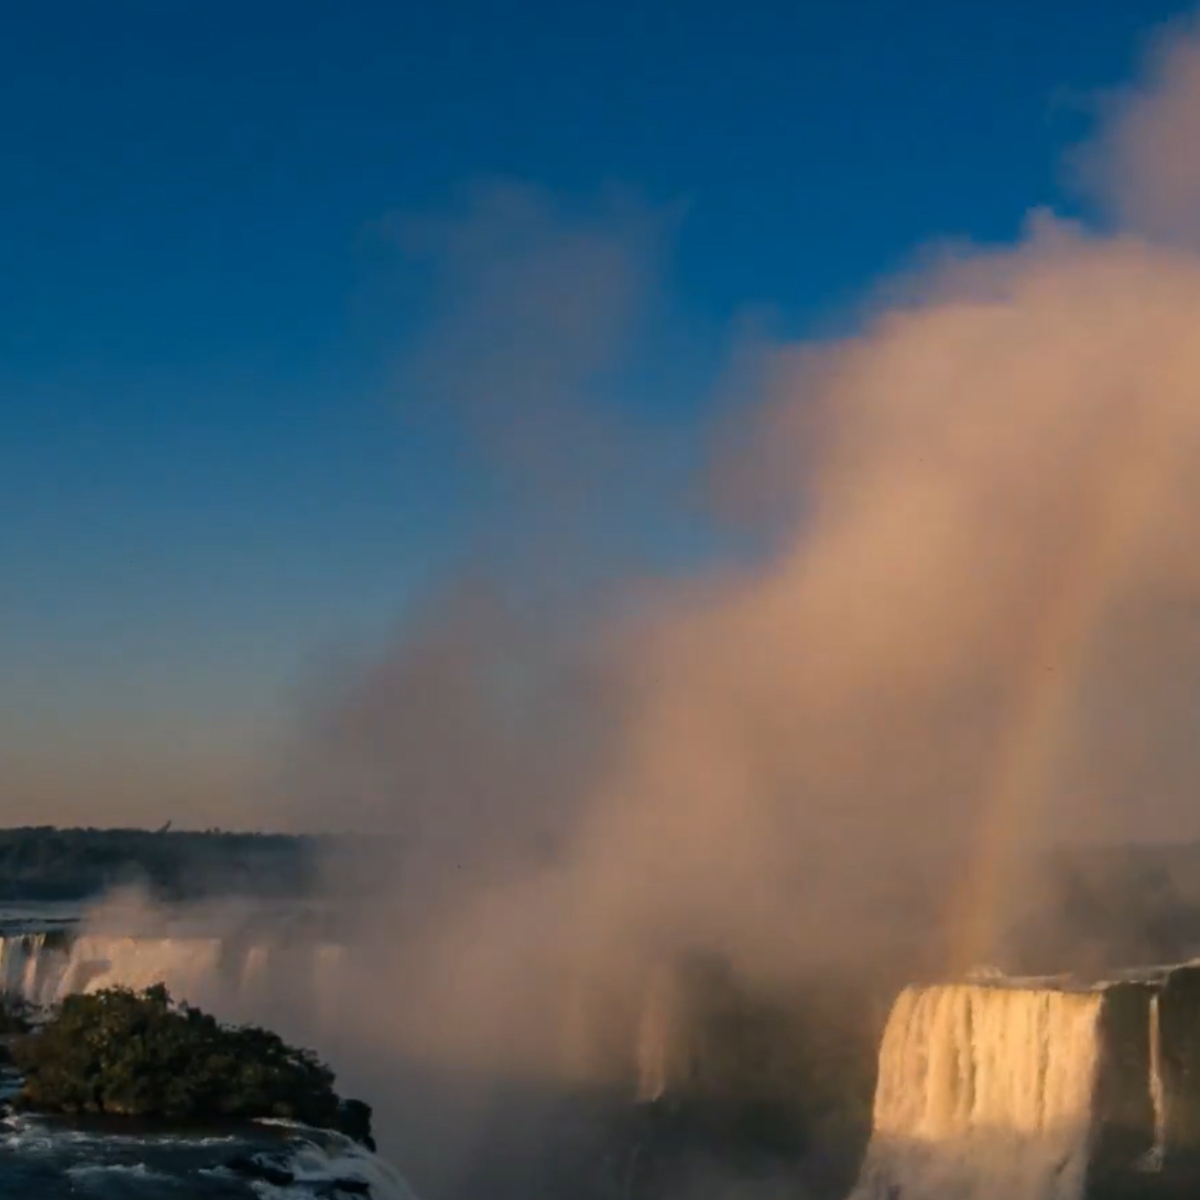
<point>1153,1161</point>
<point>984,1093</point>
<point>328,967</point>
<point>22,957</point>
<point>302,983</point>
<point>295,986</point>
<point>658,1029</point>
<point>190,967</point>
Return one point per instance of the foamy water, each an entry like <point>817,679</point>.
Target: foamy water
<point>46,1159</point>
<point>984,1093</point>
<point>236,979</point>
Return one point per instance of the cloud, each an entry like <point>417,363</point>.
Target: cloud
<point>832,755</point>
<point>970,634</point>
<point>524,356</point>
<point>1143,167</point>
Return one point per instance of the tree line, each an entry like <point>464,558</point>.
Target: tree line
<point>45,863</point>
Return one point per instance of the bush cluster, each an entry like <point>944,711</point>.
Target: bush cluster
<point>141,1054</point>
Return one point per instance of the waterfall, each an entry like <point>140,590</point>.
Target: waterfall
<point>300,984</point>
<point>658,1034</point>
<point>190,967</point>
<point>254,984</point>
<point>984,1093</point>
<point>1158,1095</point>
<point>329,969</point>
<point>597,1022</point>
<point>31,966</point>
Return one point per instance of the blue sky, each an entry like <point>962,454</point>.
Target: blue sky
<point>209,473</point>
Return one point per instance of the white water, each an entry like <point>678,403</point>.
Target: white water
<point>984,1093</point>
<point>286,984</point>
<point>321,1157</point>
<point>190,967</point>
<point>20,959</point>
<point>235,980</point>
<point>1158,1095</point>
<point>660,1028</point>
<point>162,1165</point>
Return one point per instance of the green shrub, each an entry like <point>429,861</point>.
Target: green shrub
<point>142,1054</point>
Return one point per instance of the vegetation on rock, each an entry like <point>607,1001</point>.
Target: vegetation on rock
<point>142,1054</point>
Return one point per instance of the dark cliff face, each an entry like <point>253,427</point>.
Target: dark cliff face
<point>759,1080</point>
<point>1125,1119</point>
<point>1179,1020</point>
<point>1121,1167</point>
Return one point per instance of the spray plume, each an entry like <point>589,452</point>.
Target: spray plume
<point>852,742</point>
<point>1002,471</point>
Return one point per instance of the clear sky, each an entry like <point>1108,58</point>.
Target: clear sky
<point>208,472</point>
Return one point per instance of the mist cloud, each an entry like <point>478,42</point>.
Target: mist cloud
<point>973,635</point>
<point>525,362</point>
<point>1144,166</point>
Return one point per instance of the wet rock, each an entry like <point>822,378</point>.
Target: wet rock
<point>263,1167</point>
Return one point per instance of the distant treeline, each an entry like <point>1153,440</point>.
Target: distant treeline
<point>44,863</point>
